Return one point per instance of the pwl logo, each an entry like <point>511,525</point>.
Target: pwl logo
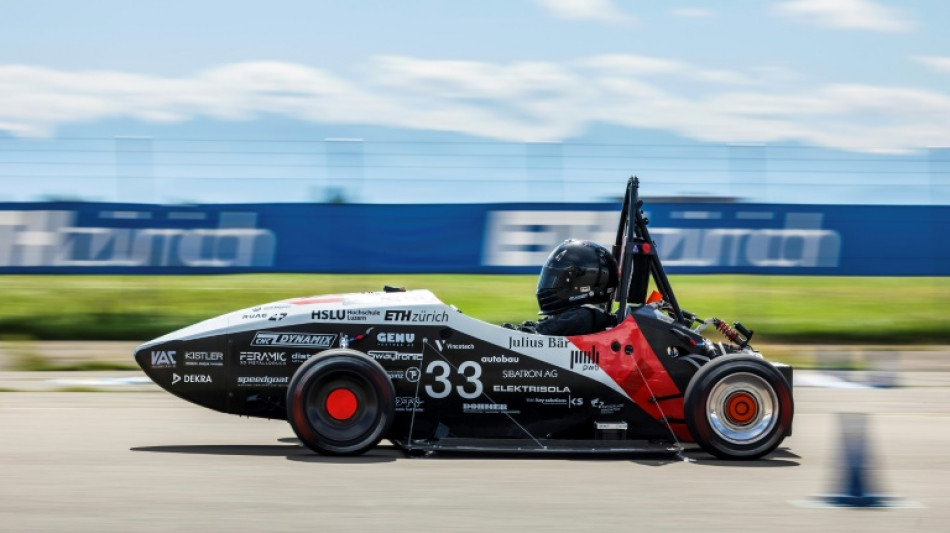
<point>163,359</point>
<point>302,340</point>
<point>585,360</point>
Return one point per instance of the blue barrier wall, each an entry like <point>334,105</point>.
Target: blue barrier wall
<point>500,238</point>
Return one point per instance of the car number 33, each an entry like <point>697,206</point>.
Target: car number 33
<point>470,370</point>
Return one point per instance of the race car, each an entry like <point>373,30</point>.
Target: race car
<point>348,370</point>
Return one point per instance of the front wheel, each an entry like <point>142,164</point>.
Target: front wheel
<point>340,403</point>
<point>738,407</point>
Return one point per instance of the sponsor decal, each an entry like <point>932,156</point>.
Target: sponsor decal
<point>328,314</point>
<point>552,389</point>
<point>557,402</point>
<point>299,357</point>
<point>585,360</point>
<point>443,345</point>
<point>204,358</point>
<point>384,338</point>
<point>535,342</point>
<point>487,408</point>
<point>499,359</point>
<point>163,359</point>
<point>191,378</point>
<point>294,340</point>
<point>263,358</point>
<point>405,315</point>
<point>361,315</point>
<point>528,373</point>
<point>264,381</point>
<point>606,408</point>
<point>408,404</point>
<point>411,374</point>
<point>254,316</point>
<point>394,356</point>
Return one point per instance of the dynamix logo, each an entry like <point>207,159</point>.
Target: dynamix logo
<point>163,359</point>
<point>130,238</point>
<point>754,237</point>
<point>299,340</point>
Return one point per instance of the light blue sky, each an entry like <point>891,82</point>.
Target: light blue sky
<point>856,79</point>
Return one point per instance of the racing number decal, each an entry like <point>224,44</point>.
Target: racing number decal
<point>476,373</point>
<point>442,378</point>
<point>441,370</point>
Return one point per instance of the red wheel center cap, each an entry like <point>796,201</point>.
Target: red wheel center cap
<point>342,404</point>
<point>741,408</point>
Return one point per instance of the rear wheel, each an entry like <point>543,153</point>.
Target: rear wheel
<point>738,407</point>
<point>340,403</point>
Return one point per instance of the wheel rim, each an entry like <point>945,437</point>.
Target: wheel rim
<point>342,406</point>
<point>742,407</point>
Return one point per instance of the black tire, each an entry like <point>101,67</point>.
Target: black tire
<point>340,403</point>
<point>738,407</point>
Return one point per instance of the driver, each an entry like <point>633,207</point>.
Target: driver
<point>576,285</point>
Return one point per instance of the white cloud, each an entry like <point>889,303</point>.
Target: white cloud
<point>940,64</point>
<point>846,14</point>
<point>692,12</point>
<point>596,10</point>
<point>541,101</point>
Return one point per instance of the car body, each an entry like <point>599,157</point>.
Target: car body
<point>347,370</point>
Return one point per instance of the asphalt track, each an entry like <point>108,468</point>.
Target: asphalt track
<point>146,461</point>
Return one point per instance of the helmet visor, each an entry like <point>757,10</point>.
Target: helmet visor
<point>553,278</point>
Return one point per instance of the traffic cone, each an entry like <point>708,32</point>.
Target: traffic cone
<point>856,480</point>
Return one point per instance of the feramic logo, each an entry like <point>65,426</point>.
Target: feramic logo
<point>301,340</point>
<point>263,358</point>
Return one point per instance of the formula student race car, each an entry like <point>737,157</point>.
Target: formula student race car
<point>349,370</point>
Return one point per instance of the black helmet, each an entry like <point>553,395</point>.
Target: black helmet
<point>576,273</point>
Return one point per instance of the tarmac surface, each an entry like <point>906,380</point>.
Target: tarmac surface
<point>147,461</point>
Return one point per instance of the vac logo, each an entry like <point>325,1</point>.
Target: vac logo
<point>163,359</point>
<point>297,340</point>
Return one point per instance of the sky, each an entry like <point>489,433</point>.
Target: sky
<point>865,81</point>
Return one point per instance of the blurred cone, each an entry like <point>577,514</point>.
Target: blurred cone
<point>856,480</point>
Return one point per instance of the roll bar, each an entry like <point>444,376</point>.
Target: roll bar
<point>637,258</point>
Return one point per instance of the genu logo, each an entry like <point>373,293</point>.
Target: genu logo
<point>163,359</point>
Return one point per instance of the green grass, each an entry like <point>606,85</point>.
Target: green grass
<point>779,308</point>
